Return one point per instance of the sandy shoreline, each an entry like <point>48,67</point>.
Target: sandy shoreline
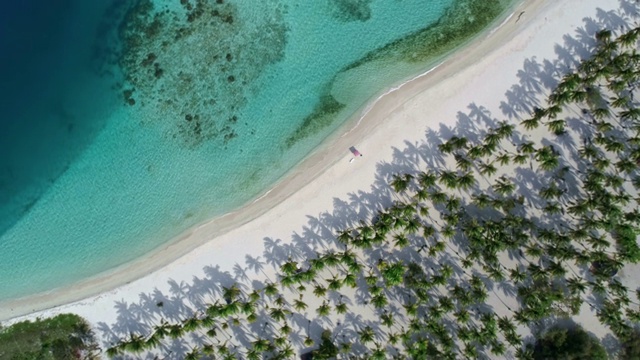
<point>488,64</point>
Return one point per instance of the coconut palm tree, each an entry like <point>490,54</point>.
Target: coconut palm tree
<point>503,186</point>
<point>438,197</point>
<point>193,354</point>
<point>547,157</point>
<point>379,301</point>
<point>462,163</point>
<point>161,330</point>
<point>324,309</point>
<point>270,289</point>
<point>231,293</point>
<point>114,351</point>
<point>400,240</point>
<point>427,179</point>
<point>289,268</point>
<point>334,283</point>
<point>176,331</point>
<point>341,308</point>
<point>400,182</point>
<point>556,126</point>
<point>487,169</point>
<point>278,314</point>
<point>519,159</point>
<point>191,324</point>
<point>366,335</point>
<point>503,159</point>
<point>466,181</point>
<point>135,343</point>
<point>449,179</point>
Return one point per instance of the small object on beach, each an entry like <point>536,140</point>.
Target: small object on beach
<point>352,160</point>
<point>354,151</point>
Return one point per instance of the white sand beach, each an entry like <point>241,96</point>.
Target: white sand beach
<point>328,182</point>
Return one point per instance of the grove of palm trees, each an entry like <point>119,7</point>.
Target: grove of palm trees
<point>494,236</point>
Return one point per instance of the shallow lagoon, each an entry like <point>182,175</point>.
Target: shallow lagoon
<point>127,122</point>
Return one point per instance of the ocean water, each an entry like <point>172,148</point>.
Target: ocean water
<point>125,122</point>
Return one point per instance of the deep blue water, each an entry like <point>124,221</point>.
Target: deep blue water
<point>46,74</point>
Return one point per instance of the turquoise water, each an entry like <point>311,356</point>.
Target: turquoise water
<point>127,122</point>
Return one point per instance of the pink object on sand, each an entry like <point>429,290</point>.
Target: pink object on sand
<point>354,151</point>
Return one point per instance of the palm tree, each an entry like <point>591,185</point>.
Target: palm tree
<point>519,158</point>
<point>231,293</point>
<point>299,305</point>
<point>413,225</point>
<point>503,186</point>
<point>176,331</point>
<point>547,157</point>
<point>400,240</point>
<point>556,126</point>
<point>400,183</point>
<point>466,181</point>
<point>530,123</point>
<point>344,236</point>
<point>527,147</point>
<point>331,258</point>
<point>438,197</point>
<point>628,39</point>
<point>270,289</point>
<point>334,283</point>
<point>208,349</point>
<point>387,319</point>
<point>161,330</point>
<point>487,169</point>
<point>379,301</point>
<point>476,152</point>
<point>470,351</point>
<point>449,179</point>
<point>287,352</point>
<point>462,163</point>
<point>481,200</point>
<point>277,314</point>
<point>341,308</point>
<point>194,354</point>
<point>135,343</point>
<point>319,291</point>
<point>427,179</point>
<point>503,159</point>
<point>261,345</point>
<point>113,351</point>
<point>626,165</point>
<point>289,268</point>
<point>462,316</point>
<point>191,324</point>
<point>366,335</point>
<point>350,280</point>
<point>324,309</point>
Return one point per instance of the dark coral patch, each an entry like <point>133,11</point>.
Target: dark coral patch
<point>199,62</point>
<point>351,10</point>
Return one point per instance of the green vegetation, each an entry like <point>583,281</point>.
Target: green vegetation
<point>568,344</point>
<point>66,336</point>
<point>631,346</point>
